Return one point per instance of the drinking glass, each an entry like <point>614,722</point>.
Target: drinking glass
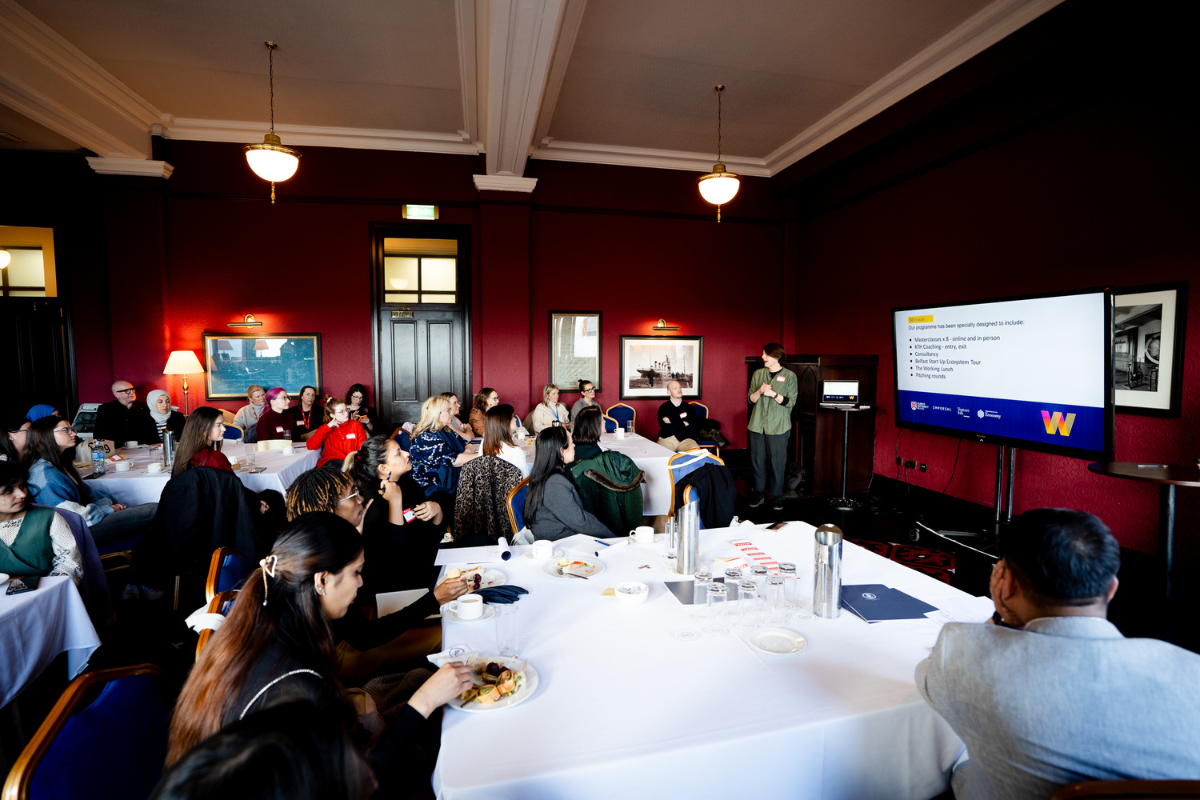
<point>703,580</point>
<point>732,578</point>
<point>774,597</point>
<point>715,600</point>
<point>758,574</point>
<point>251,450</point>
<point>791,588</point>
<point>629,428</point>
<point>749,601</point>
<point>508,640</point>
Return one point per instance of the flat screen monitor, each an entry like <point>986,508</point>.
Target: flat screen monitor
<point>841,393</point>
<point>1033,372</point>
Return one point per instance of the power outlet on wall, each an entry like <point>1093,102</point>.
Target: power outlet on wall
<point>910,463</point>
<point>923,468</point>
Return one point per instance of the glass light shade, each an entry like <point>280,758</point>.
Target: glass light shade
<point>5,258</point>
<point>719,187</point>
<point>182,362</point>
<point>270,160</point>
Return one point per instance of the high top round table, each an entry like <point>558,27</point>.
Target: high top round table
<point>1167,477</point>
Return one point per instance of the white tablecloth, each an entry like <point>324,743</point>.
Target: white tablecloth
<point>624,709</point>
<point>650,457</point>
<point>35,627</point>
<point>138,486</point>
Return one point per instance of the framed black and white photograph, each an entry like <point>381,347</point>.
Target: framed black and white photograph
<point>234,361</point>
<point>1148,340</point>
<point>574,349</point>
<point>649,363</point>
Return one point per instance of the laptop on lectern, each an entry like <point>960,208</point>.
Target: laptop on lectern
<point>839,394</point>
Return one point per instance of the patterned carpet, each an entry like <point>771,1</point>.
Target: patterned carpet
<point>935,563</point>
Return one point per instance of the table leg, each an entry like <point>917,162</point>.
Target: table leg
<point>1166,549</point>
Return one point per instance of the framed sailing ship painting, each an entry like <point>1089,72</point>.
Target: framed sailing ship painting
<point>649,363</point>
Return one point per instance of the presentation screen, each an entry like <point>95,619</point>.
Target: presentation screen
<point>1032,372</point>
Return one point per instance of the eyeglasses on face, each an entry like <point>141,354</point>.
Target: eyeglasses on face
<point>348,498</point>
<point>64,430</point>
<point>126,391</point>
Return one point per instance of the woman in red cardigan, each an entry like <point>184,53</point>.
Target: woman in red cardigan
<point>339,436</point>
<point>201,441</point>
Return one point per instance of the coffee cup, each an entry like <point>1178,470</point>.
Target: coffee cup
<point>122,466</point>
<point>233,460</point>
<point>132,443</point>
<point>619,433</point>
<point>288,449</point>
<point>543,548</point>
<point>469,606</point>
<point>643,534</point>
<point>154,466</point>
<point>520,435</point>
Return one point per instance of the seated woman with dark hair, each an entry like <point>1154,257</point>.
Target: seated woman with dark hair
<point>291,750</point>
<point>609,483</point>
<point>33,541</point>
<point>201,441</point>
<point>277,646</point>
<point>497,438</point>
<point>403,525</point>
<point>306,414</point>
<point>276,422</point>
<point>53,481</point>
<point>587,399</point>
<point>356,404</point>
<point>485,399</point>
<point>367,647</point>
<point>437,453</point>
<point>553,509</point>
<point>165,418</point>
<point>12,439</point>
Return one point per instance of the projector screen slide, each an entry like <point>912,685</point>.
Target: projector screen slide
<point>1031,372</point>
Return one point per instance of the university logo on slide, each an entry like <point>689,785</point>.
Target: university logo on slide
<point>1058,422</point>
<point>914,405</point>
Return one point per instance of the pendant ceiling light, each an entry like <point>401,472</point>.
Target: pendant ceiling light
<point>270,160</point>
<point>719,187</point>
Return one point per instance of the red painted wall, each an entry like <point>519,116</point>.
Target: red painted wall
<point>1102,196</point>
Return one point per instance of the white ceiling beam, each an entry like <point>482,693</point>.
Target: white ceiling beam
<point>464,19</point>
<point>972,37</point>
<point>218,130</point>
<point>520,38</point>
<point>49,80</point>
<point>572,19</point>
<point>552,149</point>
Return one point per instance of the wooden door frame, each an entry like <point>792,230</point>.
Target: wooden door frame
<point>465,278</point>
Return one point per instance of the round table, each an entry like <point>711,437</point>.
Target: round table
<point>1167,477</point>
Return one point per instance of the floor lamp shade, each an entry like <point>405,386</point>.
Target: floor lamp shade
<point>183,362</point>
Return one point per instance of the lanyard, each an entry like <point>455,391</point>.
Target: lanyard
<point>554,411</point>
<point>307,417</point>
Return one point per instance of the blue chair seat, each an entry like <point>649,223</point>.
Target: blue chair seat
<point>516,506</point>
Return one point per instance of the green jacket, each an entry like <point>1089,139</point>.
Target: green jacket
<point>614,496</point>
<point>768,416</point>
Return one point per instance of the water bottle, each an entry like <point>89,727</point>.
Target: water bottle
<point>98,465</point>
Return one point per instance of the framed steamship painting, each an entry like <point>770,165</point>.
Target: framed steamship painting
<point>234,361</point>
<point>649,363</point>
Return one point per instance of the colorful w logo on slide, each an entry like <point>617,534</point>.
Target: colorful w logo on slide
<point>1058,422</point>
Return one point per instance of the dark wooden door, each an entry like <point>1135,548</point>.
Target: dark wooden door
<point>39,357</point>
<point>421,356</point>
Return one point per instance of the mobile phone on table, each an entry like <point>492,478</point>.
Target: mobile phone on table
<point>19,585</point>
<point>776,526</point>
<point>257,470</point>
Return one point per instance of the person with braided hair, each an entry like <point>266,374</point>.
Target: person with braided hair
<point>277,646</point>
<point>338,436</point>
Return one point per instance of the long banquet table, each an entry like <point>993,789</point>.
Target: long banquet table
<point>649,456</point>
<point>625,709</point>
<point>138,486</point>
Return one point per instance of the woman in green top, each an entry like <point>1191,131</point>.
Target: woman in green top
<point>773,392</point>
<point>34,540</point>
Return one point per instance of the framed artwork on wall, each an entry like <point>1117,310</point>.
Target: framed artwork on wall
<point>574,349</point>
<point>649,363</point>
<point>1149,333</point>
<point>234,361</point>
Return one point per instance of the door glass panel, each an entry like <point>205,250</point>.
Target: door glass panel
<point>27,269</point>
<point>399,273</point>
<point>426,297</point>
<point>396,297</point>
<point>16,293</point>
<point>437,275</point>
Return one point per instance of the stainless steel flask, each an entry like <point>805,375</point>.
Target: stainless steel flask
<point>687,553</point>
<point>827,572</point>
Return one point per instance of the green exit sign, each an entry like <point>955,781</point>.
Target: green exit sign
<point>420,212</point>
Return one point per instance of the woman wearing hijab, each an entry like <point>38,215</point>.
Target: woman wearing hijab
<point>42,410</point>
<point>165,417</point>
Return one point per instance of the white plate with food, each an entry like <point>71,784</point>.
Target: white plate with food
<point>476,577</point>
<point>777,641</point>
<point>579,567</point>
<point>451,615</point>
<point>500,683</point>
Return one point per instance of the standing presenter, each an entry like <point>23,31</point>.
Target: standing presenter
<point>773,393</point>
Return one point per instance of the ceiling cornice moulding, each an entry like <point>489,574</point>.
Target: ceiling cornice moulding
<point>968,40</point>
<point>556,150</point>
<point>504,183</point>
<point>214,130</point>
<point>131,166</point>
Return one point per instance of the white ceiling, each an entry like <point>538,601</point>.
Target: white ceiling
<point>608,81</point>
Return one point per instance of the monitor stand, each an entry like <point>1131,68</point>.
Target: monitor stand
<point>844,503</point>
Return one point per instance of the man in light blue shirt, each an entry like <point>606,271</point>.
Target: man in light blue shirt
<point>1056,695</point>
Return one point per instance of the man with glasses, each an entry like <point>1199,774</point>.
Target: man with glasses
<point>125,419</point>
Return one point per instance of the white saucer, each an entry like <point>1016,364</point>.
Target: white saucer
<point>557,554</point>
<point>777,641</point>
<point>449,614</point>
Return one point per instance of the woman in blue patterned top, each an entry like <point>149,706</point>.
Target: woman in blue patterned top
<point>437,452</point>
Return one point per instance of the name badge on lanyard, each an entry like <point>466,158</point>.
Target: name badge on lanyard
<point>780,379</point>
<point>351,435</point>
